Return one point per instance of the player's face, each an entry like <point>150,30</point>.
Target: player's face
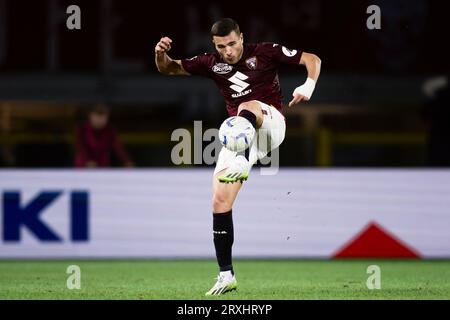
<point>230,47</point>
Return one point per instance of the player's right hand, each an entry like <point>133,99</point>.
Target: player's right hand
<point>163,45</point>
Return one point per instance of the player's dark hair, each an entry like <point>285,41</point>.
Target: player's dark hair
<point>224,26</point>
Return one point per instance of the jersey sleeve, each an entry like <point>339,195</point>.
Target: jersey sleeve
<point>198,65</point>
<point>281,54</point>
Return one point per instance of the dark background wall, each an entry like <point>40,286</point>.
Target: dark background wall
<point>375,105</point>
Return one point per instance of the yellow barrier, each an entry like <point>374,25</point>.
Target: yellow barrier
<point>127,138</point>
<point>326,139</point>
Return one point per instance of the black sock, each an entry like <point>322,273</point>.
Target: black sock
<point>223,239</point>
<point>250,116</point>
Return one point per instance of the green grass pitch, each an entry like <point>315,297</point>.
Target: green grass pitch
<point>257,279</point>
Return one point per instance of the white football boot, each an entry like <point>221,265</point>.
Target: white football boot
<point>237,171</point>
<point>226,282</point>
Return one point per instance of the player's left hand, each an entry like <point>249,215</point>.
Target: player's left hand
<point>297,99</point>
<point>303,93</point>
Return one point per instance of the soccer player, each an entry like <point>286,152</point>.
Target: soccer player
<point>246,75</point>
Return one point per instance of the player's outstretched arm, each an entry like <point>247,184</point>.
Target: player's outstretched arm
<point>304,92</point>
<point>164,63</point>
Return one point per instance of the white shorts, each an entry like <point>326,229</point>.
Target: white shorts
<point>268,137</point>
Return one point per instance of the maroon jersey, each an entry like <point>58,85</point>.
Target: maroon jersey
<point>97,145</point>
<point>253,77</point>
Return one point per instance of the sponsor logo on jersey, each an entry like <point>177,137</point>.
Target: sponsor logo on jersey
<point>239,85</point>
<point>288,52</point>
<point>251,63</point>
<point>240,94</point>
<point>222,68</point>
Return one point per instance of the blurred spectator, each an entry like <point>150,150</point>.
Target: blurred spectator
<point>437,112</point>
<point>96,139</point>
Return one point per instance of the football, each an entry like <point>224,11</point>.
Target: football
<point>236,133</point>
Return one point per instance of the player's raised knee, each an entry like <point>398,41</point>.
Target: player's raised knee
<point>251,110</point>
<point>252,105</point>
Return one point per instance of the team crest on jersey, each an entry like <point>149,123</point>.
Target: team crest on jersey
<point>222,68</point>
<point>251,63</point>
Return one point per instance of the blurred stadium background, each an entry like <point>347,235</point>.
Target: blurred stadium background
<point>364,167</point>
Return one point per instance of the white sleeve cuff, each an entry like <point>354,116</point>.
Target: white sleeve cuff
<point>306,89</point>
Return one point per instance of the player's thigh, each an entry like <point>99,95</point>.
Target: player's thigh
<point>272,132</point>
